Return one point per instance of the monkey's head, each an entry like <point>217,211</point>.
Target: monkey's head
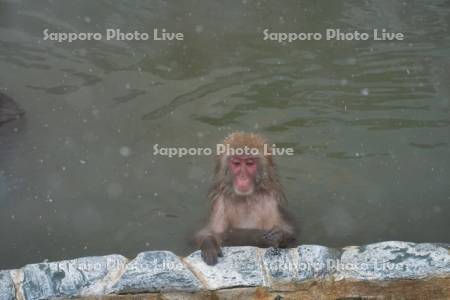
<point>246,167</point>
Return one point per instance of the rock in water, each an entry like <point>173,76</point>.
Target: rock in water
<point>9,109</point>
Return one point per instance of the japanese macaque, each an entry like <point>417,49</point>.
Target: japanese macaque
<point>248,205</point>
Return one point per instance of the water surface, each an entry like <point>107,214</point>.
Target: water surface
<point>369,121</point>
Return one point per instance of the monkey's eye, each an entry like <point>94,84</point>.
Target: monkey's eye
<point>236,163</point>
<point>250,163</point>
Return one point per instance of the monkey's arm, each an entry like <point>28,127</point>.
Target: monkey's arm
<point>275,237</point>
<point>245,237</point>
<point>209,238</point>
<point>289,229</point>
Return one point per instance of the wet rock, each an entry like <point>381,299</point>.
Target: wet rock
<point>394,260</point>
<point>7,290</point>
<point>70,278</point>
<point>281,265</point>
<point>391,269</point>
<point>155,271</point>
<point>239,266</point>
<point>9,109</point>
<point>316,262</point>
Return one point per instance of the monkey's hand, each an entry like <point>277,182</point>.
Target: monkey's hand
<point>289,241</point>
<point>273,237</point>
<point>210,250</point>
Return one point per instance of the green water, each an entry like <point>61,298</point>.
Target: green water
<point>369,121</point>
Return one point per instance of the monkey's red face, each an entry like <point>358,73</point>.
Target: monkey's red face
<point>243,170</point>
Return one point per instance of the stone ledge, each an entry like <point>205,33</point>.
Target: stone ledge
<point>387,269</point>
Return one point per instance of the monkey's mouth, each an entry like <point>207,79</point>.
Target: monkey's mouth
<point>243,186</point>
